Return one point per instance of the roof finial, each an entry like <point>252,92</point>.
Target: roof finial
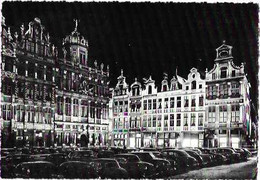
<point>176,70</point>
<point>135,79</point>
<point>76,24</point>
<point>122,72</point>
<point>224,41</point>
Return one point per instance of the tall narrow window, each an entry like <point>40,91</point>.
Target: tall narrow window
<point>149,89</point>
<point>186,101</point>
<point>178,119</point>
<point>235,89</point>
<point>235,113</point>
<point>154,120</point>
<point>223,72</point>
<point>60,105</point>
<point>200,119</point>
<point>149,104</point>
<point>145,121</point>
<point>212,114</point>
<point>166,121</point>
<point>192,120</point>
<point>172,102</point>
<point>178,101</point>
<point>159,121</point>
<point>75,107</point>
<point>145,104</point>
<point>201,101</point>
<point>160,104</point>
<point>223,114</point>
<point>68,107</point>
<point>193,85</point>
<point>166,103</point>
<point>185,120</point>
<point>171,119</point>
<point>193,101</point>
<point>154,103</point>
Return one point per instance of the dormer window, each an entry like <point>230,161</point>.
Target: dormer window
<point>193,85</point>
<point>164,87</point>
<point>149,89</point>
<point>233,73</point>
<point>223,72</point>
<point>82,57</point>
<point>213,76</point>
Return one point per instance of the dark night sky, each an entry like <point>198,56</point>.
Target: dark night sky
<point>150,38</point>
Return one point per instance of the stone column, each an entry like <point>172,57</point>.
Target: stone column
<point>218,92</point>
<point>14,66</point>
<point>35,70</point>
<point>3,64</point>
<point>72,107</point>
<point>229,89</point>
<point>63,108</point>
<point>26,69</point>
<point>79,110</point>
<point>44,73</point>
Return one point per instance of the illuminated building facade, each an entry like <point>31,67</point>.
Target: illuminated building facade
<point>47,99</point>
<point>192,112</point>
<point>227,102</point>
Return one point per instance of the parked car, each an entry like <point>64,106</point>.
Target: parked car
<point>135,167</point>
<point>36,169</point>
<point>242,153</point>
<point>202,163</point>
<point>78,170</point>
<point>105,154</point>
<point>57,158</point>
<point>249,154</point>
<point>231,155</point>
<point>218,159</point>
<point>184,161</point>
<point>163,167</point>
<point>208,158</point>
<point>148,149</point>
<point>84,155</point>
<point>14,160</point>
<point>109,168</point>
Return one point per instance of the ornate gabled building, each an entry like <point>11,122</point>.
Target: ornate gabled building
<point>50,100</point>
<point>173,117</point>
<point>227,102</point>
<point>82,95</point>
<point>192,112</point>
<point>28,86</point>
<point>120,106</point>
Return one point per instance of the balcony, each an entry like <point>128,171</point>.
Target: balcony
<point>68,119</point>
<point>185,128</point>
<point>84,120</point>
<point>178,128</point>
<point>98,121</point>
<point>200,128</point>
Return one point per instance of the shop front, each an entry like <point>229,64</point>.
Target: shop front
<point>135,138</point>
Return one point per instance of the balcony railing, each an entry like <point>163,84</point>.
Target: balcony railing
<point>68,119</point>
<point>185,128</point>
